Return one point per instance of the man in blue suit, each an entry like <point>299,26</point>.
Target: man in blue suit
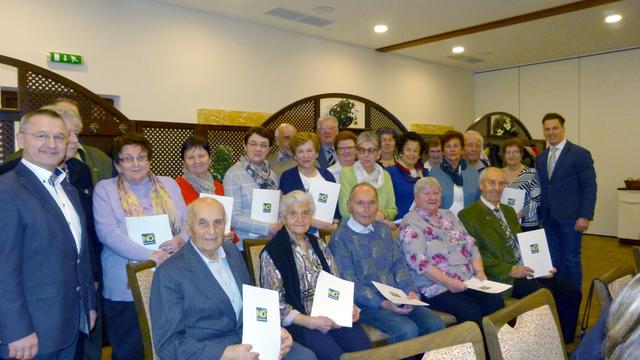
<point>48,293</point>
<point>196,295</point>
<point>327,128</point>
<point>568,181</point>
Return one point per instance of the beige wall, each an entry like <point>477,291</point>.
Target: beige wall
<point>152,55</point>
<point>599,97</point>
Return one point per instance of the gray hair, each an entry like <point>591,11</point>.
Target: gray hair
<point>476,134</point>
<point>69,116</point>
<point>426,182</point>
<point>623,324</point>
<point>483,174</point>
<point>191,215</point>
<point>363,185</point>
<point>369,136</point>
<point>26,118</point>
<point>324,118</point>
<point>294,198</point>
<point>280,128</point>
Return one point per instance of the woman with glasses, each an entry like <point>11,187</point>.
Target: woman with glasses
<point>407,170</point>
<point>136,191</point>
<point>366,169</point>
<point>346,149</point>
<point>305,147</point>
<point>519,176</point>
<point>251,172</point>
<point>458,181</point>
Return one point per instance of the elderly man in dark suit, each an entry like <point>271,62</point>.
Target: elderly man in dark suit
<point>196,295</point>
<point>327,128</point>
<point>494,226</point>
<point>48,293</point>
<point>568,182</point>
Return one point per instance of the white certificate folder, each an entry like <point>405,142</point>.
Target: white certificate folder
<point>149,231</point>
<point>261,321</point>
<point>396,295</point>
<point>325,197</point>
<point>227,203</point>
<point>265,205</point>
<point>333,298</point>
<point>513,198</point>
<point>535,252</point>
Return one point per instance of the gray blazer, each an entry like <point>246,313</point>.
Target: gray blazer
<point>44,282</point>
<point>191,315</point>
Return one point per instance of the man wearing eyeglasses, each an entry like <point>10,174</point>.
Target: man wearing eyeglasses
<point>48,293</point>
<point>282,159</point>
<point>327,128</point>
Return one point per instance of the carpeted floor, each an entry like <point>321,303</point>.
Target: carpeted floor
<point>599,255</point>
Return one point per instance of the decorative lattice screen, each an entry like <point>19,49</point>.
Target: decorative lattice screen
<point>6,139</point>
<point>231,138</point>
<point>166,143</point>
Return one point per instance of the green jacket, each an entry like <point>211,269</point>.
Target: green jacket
<point>386,196</point>
<point>491,239</point>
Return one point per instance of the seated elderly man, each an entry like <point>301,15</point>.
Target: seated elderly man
<point>196,295</point>
<point>365,251</point>
<point>494,226</point>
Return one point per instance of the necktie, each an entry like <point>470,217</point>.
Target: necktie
<point>552,161</point>
<point>331,158</point>
<point>511,239</point>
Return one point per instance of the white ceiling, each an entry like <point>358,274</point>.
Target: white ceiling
<point>572,34</point>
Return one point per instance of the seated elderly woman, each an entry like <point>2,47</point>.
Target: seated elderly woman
<point>442,255</point>
<point>345,145</point>
<point>305,147</point>
<point>367,170</point>
<point>458,180</point>
<point>251,172</point>
<point>136,191</point>
<point>518,176</point>
<point>407,170</point>
<point>291,263</point>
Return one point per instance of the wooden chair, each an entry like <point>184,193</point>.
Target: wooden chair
<point>636,258</point>
<point>536,334</point>
<point>252,251</point>
<point>140,276</point>
<point>607,286</point>
<point>448,343</point>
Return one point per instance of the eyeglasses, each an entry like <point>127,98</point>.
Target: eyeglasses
<point>130,159</point>
<point>370,151</point>
<point>328,128</point>
<point>256,144</point>
<point>44,137</point>
<point>346,148</point>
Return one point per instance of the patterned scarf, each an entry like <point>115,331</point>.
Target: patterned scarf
<point>160,201</point>
<point>454,174</point>
<point>408,176</point>
<point>260,175</point>
<point>199,184</point>
<point>376,178</point>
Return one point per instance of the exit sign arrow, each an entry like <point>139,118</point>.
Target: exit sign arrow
<point>65,58</point>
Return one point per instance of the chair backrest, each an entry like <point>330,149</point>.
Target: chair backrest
<point>252,250</point>
<point>444,340</point>
<point>140,276</point>
<point>607,286</point>
<point>636,257</point>
<point>537,330</point>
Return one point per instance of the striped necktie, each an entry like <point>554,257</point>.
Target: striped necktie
<point>332,158</point>
<point>552,161</point>
<point>511,238</point>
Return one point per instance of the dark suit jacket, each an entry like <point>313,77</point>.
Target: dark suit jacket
<point>291,180</point>
<point>571,191</point>
<point>323,162</point>
<point>80,178</point>
<point>484,226</point>
<point>192,316</point>
<point>43,279</point>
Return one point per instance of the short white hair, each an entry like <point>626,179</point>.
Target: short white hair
<point>281,127</point>
<point>294,198</point>
<point>426,182</point>
<point>69,116</point>
<point>476,134</point>
<point>324,118</point>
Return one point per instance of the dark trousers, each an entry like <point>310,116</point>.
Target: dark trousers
<point>469,305</point>
<point>91,345</point>
<point>565,246</point>
<point>123,330</point>
<point>334,343</point>
<point>68,353</point>
<point>566,296</point>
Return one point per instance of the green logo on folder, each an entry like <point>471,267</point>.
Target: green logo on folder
<point>149,239</point>
<point>511,201</point>
<point>323,198</point>
<point>534,248</point>
<point>266,208</point>
<point>334,294</point>
<point>261,314</point>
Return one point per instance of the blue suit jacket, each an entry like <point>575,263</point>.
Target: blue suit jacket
<point>571,191</point>
<point>192,316</point>
<point>323,162</point>
<point>43,279</point>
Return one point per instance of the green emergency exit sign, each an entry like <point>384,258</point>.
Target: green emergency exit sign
<point>65,58</point>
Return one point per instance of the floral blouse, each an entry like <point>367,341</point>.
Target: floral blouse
<point>309,268</point>
<point>448,247</point>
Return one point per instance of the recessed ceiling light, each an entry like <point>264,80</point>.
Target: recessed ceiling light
<point>380,28</point>
<point>457,49</point>
<point>324,9</point>
<point>614,18</point>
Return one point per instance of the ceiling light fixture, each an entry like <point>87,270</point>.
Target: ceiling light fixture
<point>380,29</point>
<point>614,18</point>
<point>457,49</point>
